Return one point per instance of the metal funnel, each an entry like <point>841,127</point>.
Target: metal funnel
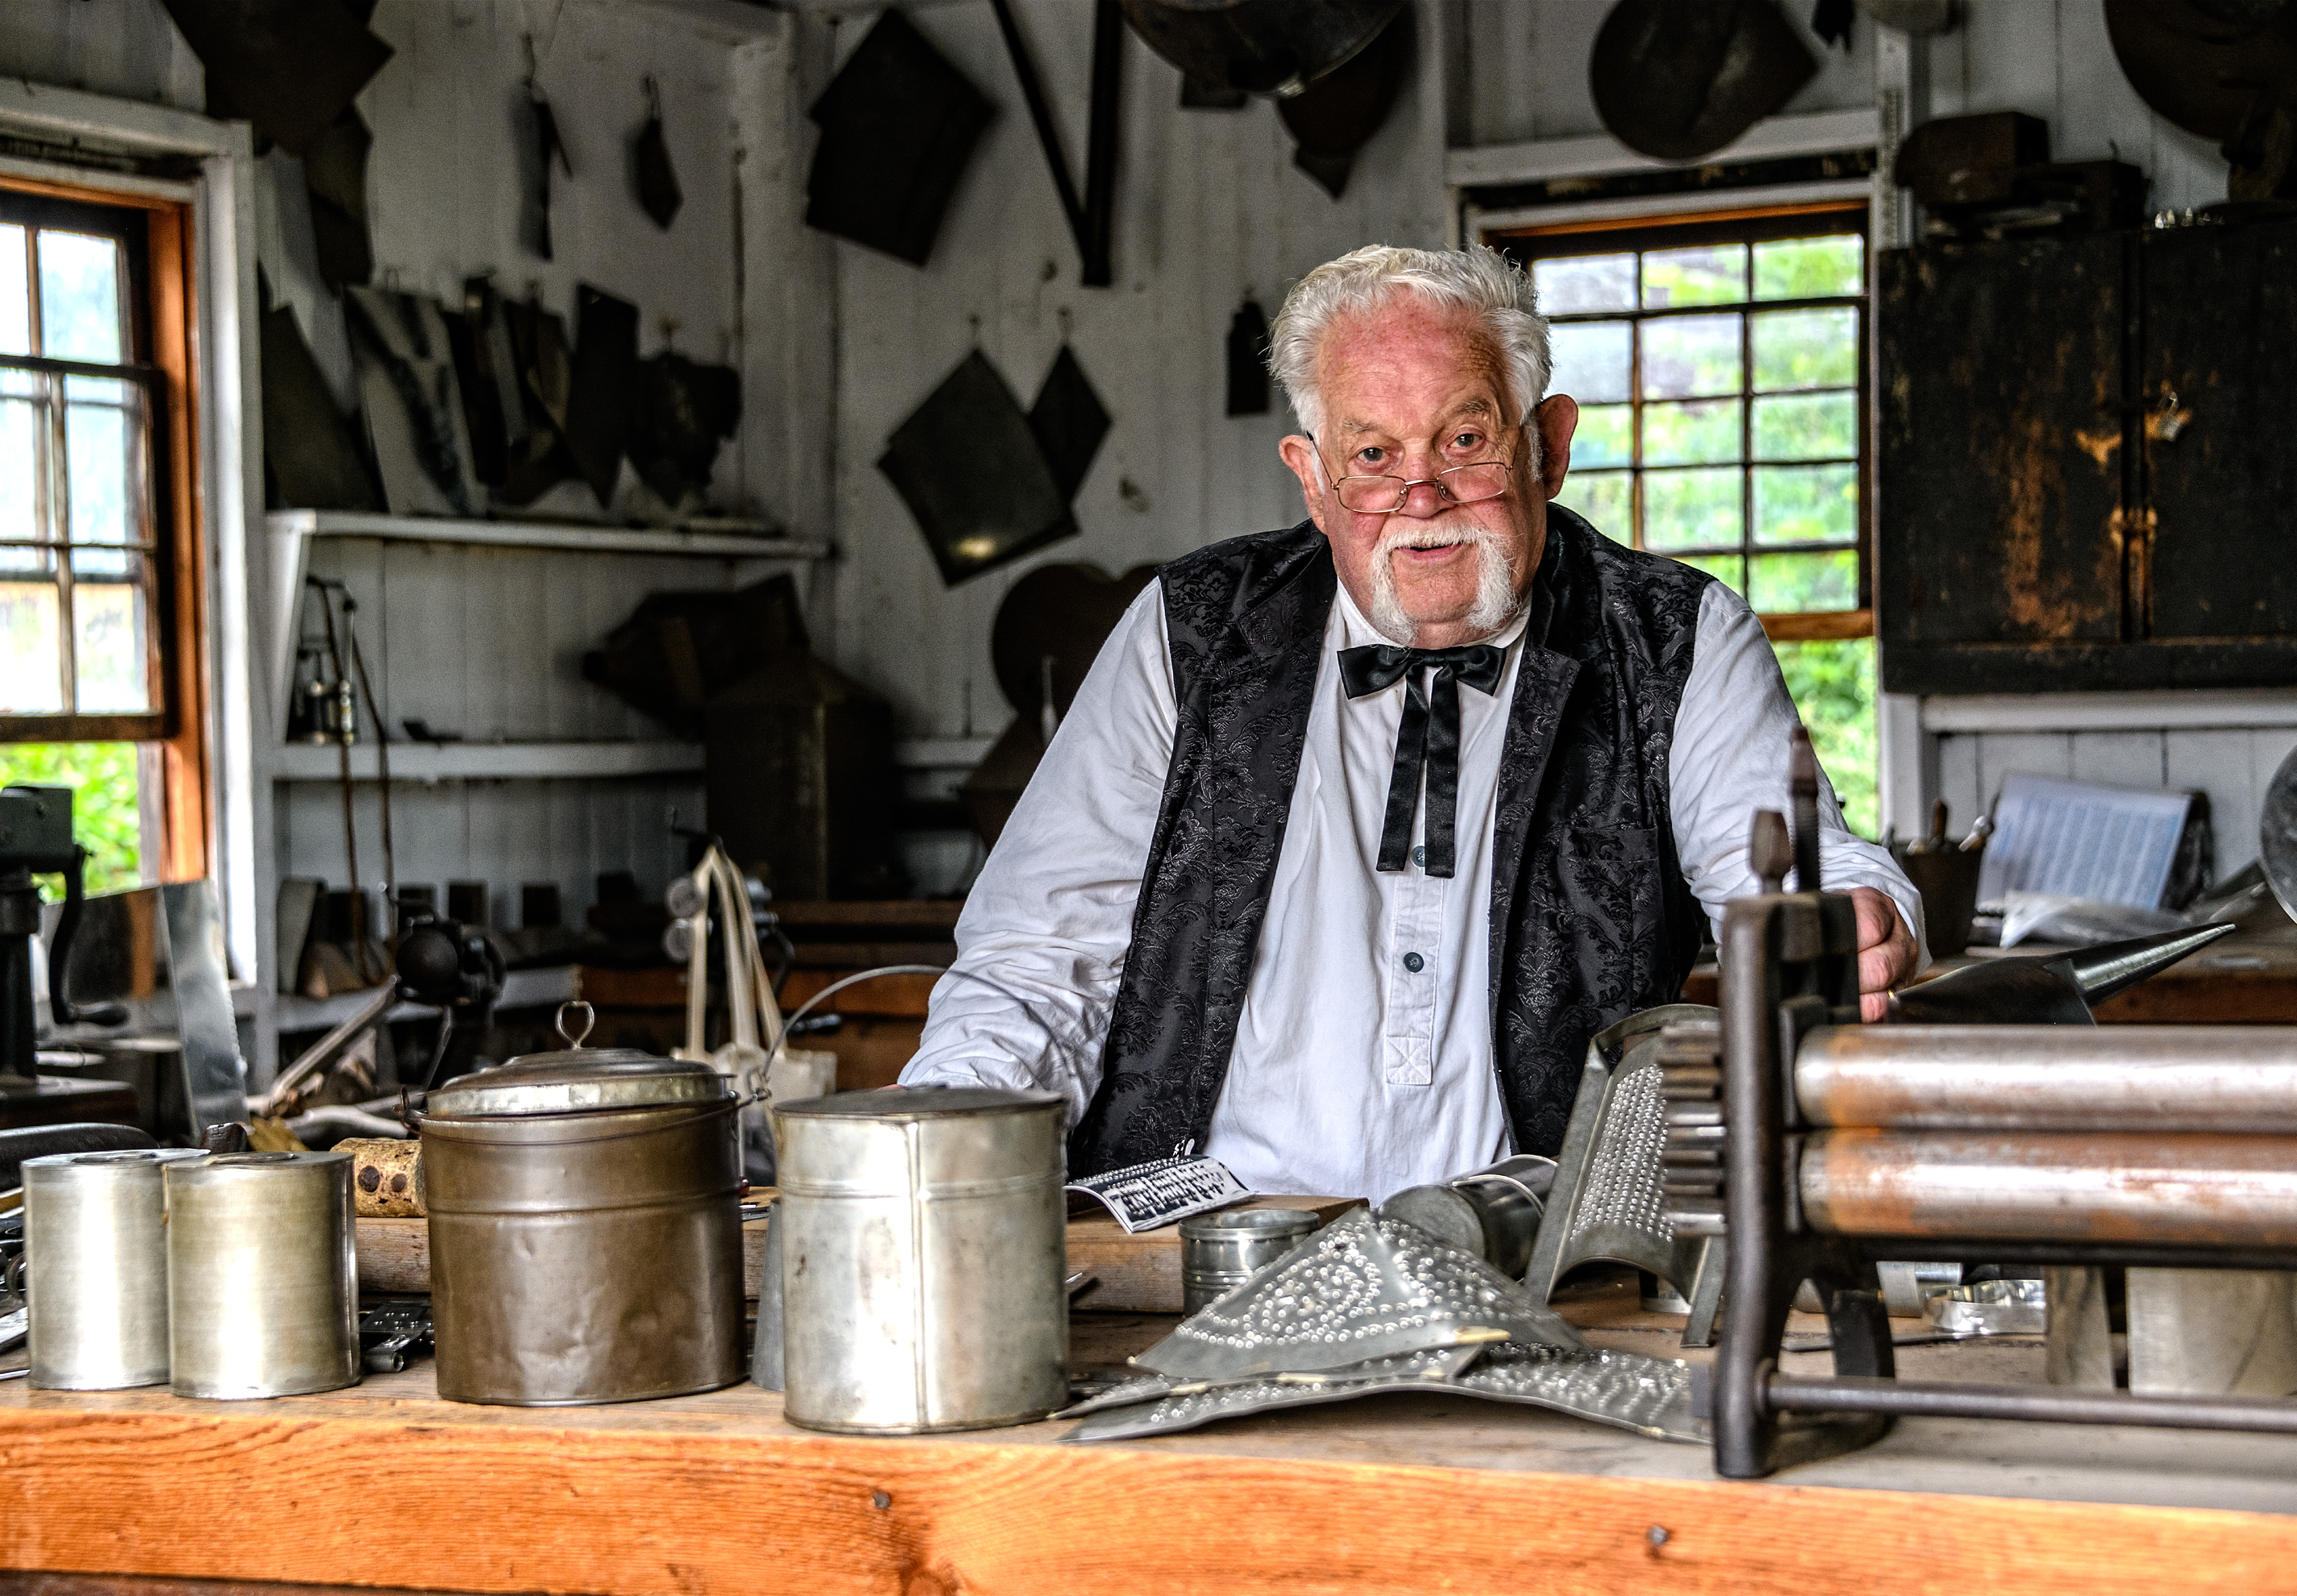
<point>2058,990</point>
<point>2112,969</point>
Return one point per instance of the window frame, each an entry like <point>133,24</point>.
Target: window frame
<point>163,312</point>
<point>1531,242</point>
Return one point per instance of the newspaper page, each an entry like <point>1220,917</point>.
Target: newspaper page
<point>2067,839</point>
<point>1145,1196</point>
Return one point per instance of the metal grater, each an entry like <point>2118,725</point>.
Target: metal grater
<point>1640,1179</point>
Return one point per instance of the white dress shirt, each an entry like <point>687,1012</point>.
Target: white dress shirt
<point>1354,1072</point>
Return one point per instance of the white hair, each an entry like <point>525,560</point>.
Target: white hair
<point>1476,279</point>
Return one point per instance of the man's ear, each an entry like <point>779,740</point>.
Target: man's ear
<point>1299,456</point>
<point>1555,420</point>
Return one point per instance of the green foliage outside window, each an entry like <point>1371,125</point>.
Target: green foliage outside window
<point>105,813</point>
<point>1833,686</point>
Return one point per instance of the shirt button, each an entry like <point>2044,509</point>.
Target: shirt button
<point>1414,963</point>
<point>1419,856</point>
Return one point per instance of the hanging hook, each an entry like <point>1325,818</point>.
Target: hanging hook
<point>1064,314</point>
<point>974,322</point>
<point>654,98</point>
<point>527,39</point>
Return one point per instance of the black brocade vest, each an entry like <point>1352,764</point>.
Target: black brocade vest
<point>1591,919</point>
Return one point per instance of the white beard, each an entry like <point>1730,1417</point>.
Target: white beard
<point>1495,597</point>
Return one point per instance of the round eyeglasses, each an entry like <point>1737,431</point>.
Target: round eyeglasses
<point>1385,495</point>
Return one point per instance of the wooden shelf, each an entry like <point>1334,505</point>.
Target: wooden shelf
<point>490,761</point>
<point>578,535</point>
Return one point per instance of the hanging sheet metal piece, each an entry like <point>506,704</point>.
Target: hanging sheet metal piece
<point>1362,1288</point>
<point>598,404</point>
<point>308,448</point>
<point>1092,219</point>
<point>659,194</point>
<point>973,474</point>
<point>897,125</point>
<point>334,173</point>
<point>1248,361</point>
<point>1069,422</point>
<point>1676,79</point>
<point>413,403</point>
<point>288,66</point>
<point>1336,116</point>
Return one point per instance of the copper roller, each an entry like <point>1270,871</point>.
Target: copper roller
<point>2237,1079</point>
<point>2221,1190</point>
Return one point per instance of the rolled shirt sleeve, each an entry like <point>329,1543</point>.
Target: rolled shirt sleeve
<point>1042,939</point>
<point>1732,737</point>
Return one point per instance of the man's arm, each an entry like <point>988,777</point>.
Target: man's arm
<point>1729,759</point>
<point>1049,918</point>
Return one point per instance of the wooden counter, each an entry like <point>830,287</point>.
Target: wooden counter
<point>715,1495</point>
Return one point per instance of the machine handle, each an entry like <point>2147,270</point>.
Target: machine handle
<point>62,1010</point>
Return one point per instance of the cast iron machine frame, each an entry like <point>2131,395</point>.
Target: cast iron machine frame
<point>1789,967</point>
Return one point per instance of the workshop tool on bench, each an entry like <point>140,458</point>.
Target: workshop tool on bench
<point>95,1263</point>
<point>1493,1211</point>
<point>1844,1144</point>
<point>1639,1178</point>
<point>585,1226</point>
<point>1372,1303</point>
<point>262,1281</point>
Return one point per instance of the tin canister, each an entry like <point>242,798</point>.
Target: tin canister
<point>1220,1252</point>
<point>923,1239</point>
<point>262,1283</point>
<point>585,1230</point>
<point>96,1256</point>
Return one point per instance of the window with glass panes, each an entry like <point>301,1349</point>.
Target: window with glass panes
<point>1720,372</point>
<point>81,565</point>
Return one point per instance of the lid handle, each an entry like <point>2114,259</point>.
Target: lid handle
<point>589,1021</point>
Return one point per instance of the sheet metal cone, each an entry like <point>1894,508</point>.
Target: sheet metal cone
<point>2112,969</point>
<point>1360,1287</point>
<point>2058,990</point>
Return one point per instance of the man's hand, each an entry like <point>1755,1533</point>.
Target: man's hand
<point>1887,954</point>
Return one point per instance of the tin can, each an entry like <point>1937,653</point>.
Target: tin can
<point>923,1239</point>
<point>96,1256</point>
<point>1220,1252</point>
<point>262,1283</point>
<point>585,1230</point>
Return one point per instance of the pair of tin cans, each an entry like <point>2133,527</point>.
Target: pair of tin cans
<point>225,1275</point>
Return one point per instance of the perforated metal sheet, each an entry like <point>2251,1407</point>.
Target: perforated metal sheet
<point>1362,1288</point>
<point>1608,1200</point>
<point>1439,1364</point>
<point>1623,1179</point>
<point>1651,1396</point>
<point>1648,1396</point>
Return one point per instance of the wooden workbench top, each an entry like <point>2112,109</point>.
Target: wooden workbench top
<point>716,1495</point>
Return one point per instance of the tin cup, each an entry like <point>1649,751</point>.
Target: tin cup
<point>1220,1252</point>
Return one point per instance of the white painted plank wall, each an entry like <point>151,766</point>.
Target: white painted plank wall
<point>1209,207</point>
<point>489,642</point>
<point>125,48</point>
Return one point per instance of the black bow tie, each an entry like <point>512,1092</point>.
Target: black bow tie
<point>1421,739</point>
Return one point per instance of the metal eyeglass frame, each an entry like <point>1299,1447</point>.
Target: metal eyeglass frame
<point>1405,486</point>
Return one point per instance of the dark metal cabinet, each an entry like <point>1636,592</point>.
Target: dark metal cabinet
<point>2085,474</point>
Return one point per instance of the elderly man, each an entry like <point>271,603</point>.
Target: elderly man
<point>1358,831</point>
